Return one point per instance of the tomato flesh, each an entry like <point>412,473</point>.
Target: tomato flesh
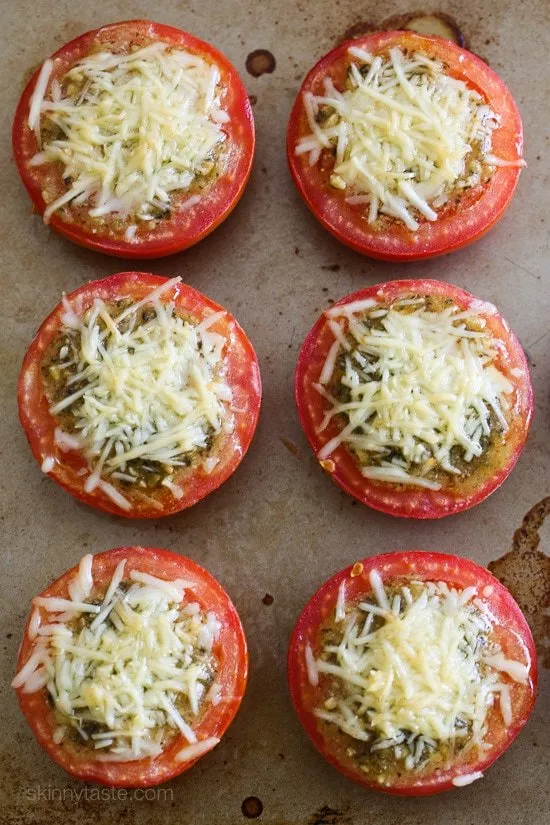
<point>478,211</point>
<point>510,628</point>
<point>230,652</point>
<point>410,502</point>
<point>242,376</point>
<point>186,226</point>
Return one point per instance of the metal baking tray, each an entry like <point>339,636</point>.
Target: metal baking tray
<point>278,528</point>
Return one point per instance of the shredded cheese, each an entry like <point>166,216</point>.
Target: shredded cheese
<point>311,667</point>
<point>151,391</point>
<point>415,670</point>
<point>417,384</point>
<point>196,750</point>
<point>467,779</point>
<point>135,675</point>
<point>406,136</point>
<point>133,130</point>
<point>48,464</point>
<point>37,97</point>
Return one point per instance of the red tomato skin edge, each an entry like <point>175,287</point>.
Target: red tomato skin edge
<point>506,177</point>
<point>148,247</point>
<point>246,422</point>
<point>425,564</point>
<point>164,767</point>
<point>434,504</point>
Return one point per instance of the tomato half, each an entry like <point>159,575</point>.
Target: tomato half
<point>510,630</point>
<point>230,651</point>
<point>186,226</point>
<point>455,227</point>
<point>391,498</point>
<point>242,376</point>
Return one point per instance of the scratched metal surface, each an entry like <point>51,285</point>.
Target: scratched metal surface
<point>279,526</point>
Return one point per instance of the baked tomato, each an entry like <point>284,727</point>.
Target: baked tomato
<point>139,395</point>
<point>404,146</point>
<point>415,396</point>
<point>147,624</point>
<point>135,139</point>
<point>412,672</point>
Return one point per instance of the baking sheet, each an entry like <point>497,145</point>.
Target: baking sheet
<point>279,526</point>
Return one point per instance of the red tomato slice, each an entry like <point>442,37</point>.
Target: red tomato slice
<point>391,498</point>
<point>230,651</point>
<point>510,630</point>
<point>187,226</point>
<point>456,227</point>
<point>243,376</point>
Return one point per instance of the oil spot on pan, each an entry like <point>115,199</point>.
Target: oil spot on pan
<point>252,807</point>
<point>260,62</point>
<point>358,30</point>
<point>435,23</point>
<point>291,446</point>
<point>525,571</point>
<point>325,815</point>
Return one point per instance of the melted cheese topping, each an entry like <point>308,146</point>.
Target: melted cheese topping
<point>416,670</point>
<point>134,129</point>
<point>152,391</point>
<point>119,678</point>
<point>405,135</point>
<point>418,383</point>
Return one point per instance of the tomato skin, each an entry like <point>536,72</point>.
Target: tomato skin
<point>388,498</point>
<point>186,227</point>
<point>243,376</point>
<point>512,629</point>
<point>230,650</point>
<point>478,212</point>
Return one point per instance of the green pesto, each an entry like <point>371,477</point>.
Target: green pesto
<point>474,162</point>
<point>380,766</point>
<point>79,727</point>
<point>472,473</point>
<point>148,474</point>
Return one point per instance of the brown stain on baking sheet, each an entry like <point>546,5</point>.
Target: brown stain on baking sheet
<point>358,30</point>
<point>260,62</point>
<point>431,23</point>
<point>252,807</point>
<point>291,446</point>
<point>325,815</point>
<point>525,571</point>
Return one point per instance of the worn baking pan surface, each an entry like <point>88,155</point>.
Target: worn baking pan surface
<point>279,527</point>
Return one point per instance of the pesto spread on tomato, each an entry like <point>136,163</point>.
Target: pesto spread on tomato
<point>412,671</point>
<point>131,667</point>
<point>414,393</point>
<point>139,395</point>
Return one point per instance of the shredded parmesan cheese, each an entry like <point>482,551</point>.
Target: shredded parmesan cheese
<point>48,464</point>
<point>152,391</point>
<point>467,779</point>
<point>311,667</point>
<point>405,135</point>
<point>417,385</point>
<point>414,671</point>
<point>194,751</point>
<point>135,675</point>
<point>133,130</point>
